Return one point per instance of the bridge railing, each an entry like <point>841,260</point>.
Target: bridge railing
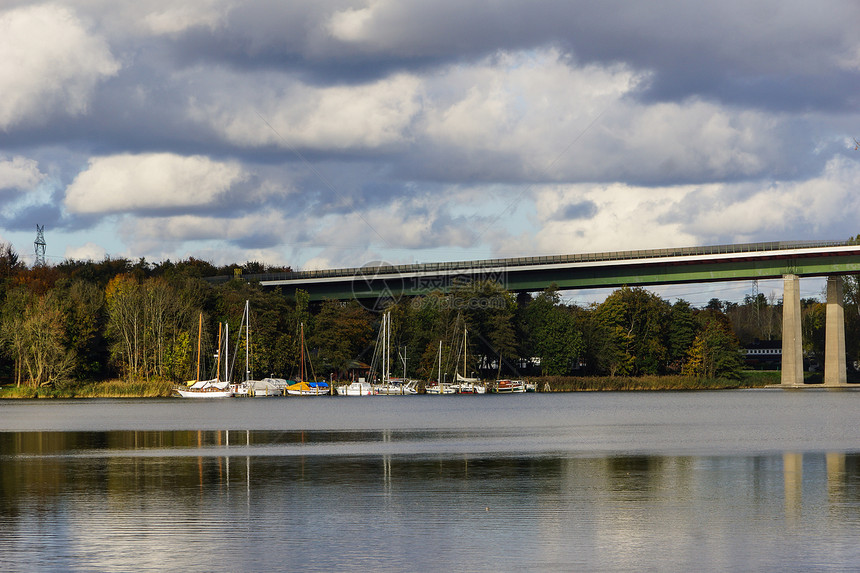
<point>373,271</point>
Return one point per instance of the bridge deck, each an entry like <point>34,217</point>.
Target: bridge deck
<point>589,270</point>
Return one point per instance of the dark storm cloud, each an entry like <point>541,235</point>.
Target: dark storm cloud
<point>580,210</point>
<point>767,54</point>
<point>22,219</point>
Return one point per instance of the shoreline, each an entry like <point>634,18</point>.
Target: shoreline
<point>547,384</point>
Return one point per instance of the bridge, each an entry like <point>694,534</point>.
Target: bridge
<point>787,260</point>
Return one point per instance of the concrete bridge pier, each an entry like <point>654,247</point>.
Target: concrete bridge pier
<point>792,335</point>
<point>835,373</point>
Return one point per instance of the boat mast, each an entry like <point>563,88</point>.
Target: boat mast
<point>199,335</point>
<point>465,334</point>
<point>247,341</point>
<point>388,350</point>
<point>218,355</point>
<point>439,381</point>
<point>302,364</point>
<point>226,352</point>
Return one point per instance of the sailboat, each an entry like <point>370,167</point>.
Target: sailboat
<point>302,387</point>
<point>466,385</point>
<point>391,386</point>
<point>248,387</point>
<point>214,388</point>
<point>438,387</point>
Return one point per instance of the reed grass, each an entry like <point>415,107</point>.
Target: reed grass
<point>102,389</point>
<point>751,379</point>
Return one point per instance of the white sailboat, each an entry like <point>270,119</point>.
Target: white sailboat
<point>439,387</point>
<point>249,387</point>
<point>391,386</point>
<point>463,384</point>
<point>214,388</point>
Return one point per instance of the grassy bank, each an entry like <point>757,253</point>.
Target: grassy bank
<point>749,379</point>
<point>104,389</point>
<point>133,389</point>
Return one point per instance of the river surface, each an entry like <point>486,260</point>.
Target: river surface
<point>748,480</point>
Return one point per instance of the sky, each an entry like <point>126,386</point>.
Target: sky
<point>335,133</point>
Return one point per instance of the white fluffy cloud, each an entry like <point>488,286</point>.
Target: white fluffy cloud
<point>566,122</point>
<point>821,206</point>
<point>50,63</point>
<point>621,218</point>
<point>19,173</point>
<point>86,252</point>
<point>150,182</point>
<point>172,237</point>
<point>170,17</point>
<point>366,116</point>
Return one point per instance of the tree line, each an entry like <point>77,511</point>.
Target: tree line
<point>134,320</point>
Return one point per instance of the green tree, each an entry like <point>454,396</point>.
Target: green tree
<point>633,321</point>
<point>488,312</point>
<point>553,333</point>
<point>715,350</point>
<point>342,331</point>
<point>682,333</point>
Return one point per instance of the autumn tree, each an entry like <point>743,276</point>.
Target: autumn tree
<point>149,327</point>
<point>715,350</point>
<point>33,331</point>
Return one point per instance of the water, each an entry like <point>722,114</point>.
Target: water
<point>732,480</point>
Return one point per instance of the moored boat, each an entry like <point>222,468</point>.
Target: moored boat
<point>360,388</point>
<point>263,388</point>
<point>303,387</point>
<point>439,389</point>
<point>213,388</point>
<point>509,386</point>
<point>207,389</point>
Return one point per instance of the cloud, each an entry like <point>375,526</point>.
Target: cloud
<point>820,206</point>
<point>257,230</point>
<point>342,130</point>
<point>50,64</point>
<point>150,182</point>
<point>87,252</point>
<point>171,17</point>
<point>622,218</point>
<point>19,173</point>
<point>291,114</point>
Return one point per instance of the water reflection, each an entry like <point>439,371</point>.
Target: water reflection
<point>118,500</point>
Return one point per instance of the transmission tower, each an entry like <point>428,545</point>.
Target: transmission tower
<point>757,307</point>
<point>40,245</point>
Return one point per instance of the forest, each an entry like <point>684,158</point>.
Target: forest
<point>79,321</point>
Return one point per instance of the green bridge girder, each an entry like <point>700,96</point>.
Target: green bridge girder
<point>587,271</point>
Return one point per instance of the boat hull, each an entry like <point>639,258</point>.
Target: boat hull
<point>355,389</point>
<point>206,393</point>
<point>438,390</point>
